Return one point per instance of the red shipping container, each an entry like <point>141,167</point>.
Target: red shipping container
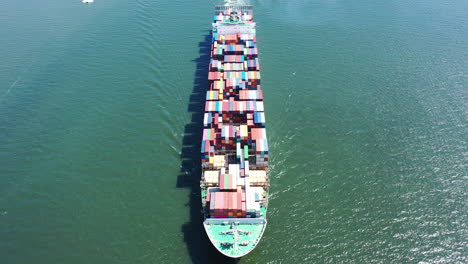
<point>219,202</point>
<point>234,201</point>
<point>226,202</point>
<point>221,181</point>
<point>224,205</point>
<point>207,146</point>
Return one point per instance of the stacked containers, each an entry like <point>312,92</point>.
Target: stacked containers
<point>227,204</point>
<point>211,177</point>
<point>227,182</point>
<point>258,177</point>
<point>261,146</point>
<point>259,119</point>
<point>233,123</point>
<point>252,203</point>
<point>207,146</point>
<point>252,65</point>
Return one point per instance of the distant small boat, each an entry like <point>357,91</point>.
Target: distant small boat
<point>87,1</point>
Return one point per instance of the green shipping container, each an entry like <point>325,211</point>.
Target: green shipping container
<point>226,181</point>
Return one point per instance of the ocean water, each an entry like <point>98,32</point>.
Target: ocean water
<point>100,111</point>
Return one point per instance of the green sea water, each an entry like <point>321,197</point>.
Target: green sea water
<point>367,113</point>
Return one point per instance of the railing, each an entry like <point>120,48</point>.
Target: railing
<point>248,9</point>
<point>230,221</point>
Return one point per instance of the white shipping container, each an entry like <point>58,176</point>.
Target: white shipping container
<point>246,168</point>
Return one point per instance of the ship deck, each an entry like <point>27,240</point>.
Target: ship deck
<point>235,240</point>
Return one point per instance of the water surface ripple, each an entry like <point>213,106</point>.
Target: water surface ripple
<point>100,125</point>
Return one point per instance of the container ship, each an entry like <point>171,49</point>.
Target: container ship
<point>234,150</point>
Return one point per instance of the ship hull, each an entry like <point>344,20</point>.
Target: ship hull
<point>234,151</point>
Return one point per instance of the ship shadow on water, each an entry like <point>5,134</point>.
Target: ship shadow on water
<point>199,246</point>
